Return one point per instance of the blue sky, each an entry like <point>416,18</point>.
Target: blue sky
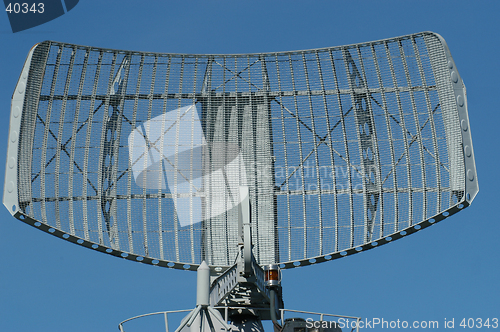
<point>449,270</point>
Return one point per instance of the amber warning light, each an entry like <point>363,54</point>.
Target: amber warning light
<point>272,275</point>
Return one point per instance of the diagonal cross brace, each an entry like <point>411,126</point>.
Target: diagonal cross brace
<point>365,128</point>
<point>110,148</point>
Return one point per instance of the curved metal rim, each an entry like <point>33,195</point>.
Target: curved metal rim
<point>208,55</point>
<point>220,269</point>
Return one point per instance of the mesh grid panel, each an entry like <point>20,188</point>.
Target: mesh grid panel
<point>142,154</point>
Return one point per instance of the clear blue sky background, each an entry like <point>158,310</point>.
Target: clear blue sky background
<point>450,270</point>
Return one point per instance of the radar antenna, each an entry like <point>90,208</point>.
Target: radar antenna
<point>239,166</point>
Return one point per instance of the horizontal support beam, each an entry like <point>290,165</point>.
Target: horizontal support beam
<point>276,192</point>
<point>268,94</point>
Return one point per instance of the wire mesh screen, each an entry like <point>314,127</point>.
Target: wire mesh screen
<point>142,154</point>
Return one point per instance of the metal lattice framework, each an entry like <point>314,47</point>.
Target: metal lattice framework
<point>140,155</point>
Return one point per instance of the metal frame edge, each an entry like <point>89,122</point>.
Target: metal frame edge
<point>471,183</point>
<point>10,194</point>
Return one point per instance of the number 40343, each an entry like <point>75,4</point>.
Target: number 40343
<point>479,323</point>
<point>25,8</point>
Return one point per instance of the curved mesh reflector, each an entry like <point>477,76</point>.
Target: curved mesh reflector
<point>142,154</point>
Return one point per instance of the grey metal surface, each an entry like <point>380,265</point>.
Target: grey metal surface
<point>140,154</point>
<point>234,289</point>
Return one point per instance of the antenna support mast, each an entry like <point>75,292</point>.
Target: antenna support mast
<point>243,288</point>
<point>249,292</point>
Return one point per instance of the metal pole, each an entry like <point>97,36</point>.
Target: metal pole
<point>203,285</point>
<point>272,300</point>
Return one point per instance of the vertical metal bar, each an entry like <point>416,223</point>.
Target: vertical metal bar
<point>150,108</point>
<point>60,136</point>
<point>316,159</point>
<point>352,73</point>
<point>346,145</point>
<point>164,111</point>
<point>102,200</point>
<point>210,117</point>
<point>145,133</point>
<point>107,203</point>
<point>46,134</point>
<point>126,62</point>
<point>99,181</point>
<point>431,120</point>
<point>233,136</point>
<point>254,109</point>
<point>268,233</point>
<point>220,250</point>
<point>160,196</point>
<point>285,154</point>
<point>208,253</point>
<point>375,154</point>
<point>330,140</point>
<point>349,177</point>
<point>299,141</point>
<point>404,131</point>
<point>87,149</point>
<point>99,164</point>
<point>165,314</point>
<point>130,173</point>
<point>191,196</point>
<point>235,130</point>
<point>254,149</point>
<point>390,142</point>
<point>251,126</point>
<point>176,162</point>
<point>112,181</point>
<point>225,138</point>
<point>418,135</point>
<point>73,143</point>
